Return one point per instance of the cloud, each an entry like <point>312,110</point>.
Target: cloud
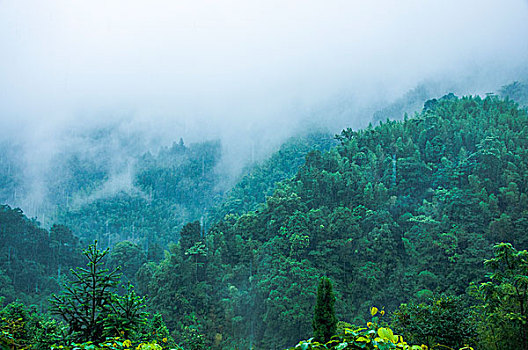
<point>210,59</point>
<point>249,72</point>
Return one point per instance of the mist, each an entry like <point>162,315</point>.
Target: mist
<point>250,73</point>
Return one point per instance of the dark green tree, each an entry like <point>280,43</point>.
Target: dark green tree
<point>90,305</point>
<point>324,322</point>
<point>86,302</point>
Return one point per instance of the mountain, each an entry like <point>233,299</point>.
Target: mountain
<point>399,212</point>
<point>164,191</point>
<point>395,212</point>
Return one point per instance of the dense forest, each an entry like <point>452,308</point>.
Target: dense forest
<point>422,221</point>
<point>177,185</point>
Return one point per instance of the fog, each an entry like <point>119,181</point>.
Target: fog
<point>250,73</point>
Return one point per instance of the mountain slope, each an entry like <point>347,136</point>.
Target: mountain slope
<point>395,212</point>
<point>34,262</point>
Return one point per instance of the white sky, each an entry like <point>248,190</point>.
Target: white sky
<point>213,57</point>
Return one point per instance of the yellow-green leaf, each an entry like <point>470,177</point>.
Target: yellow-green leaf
<point>373,310</point>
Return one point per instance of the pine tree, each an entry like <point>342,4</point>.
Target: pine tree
<point>324,321</point>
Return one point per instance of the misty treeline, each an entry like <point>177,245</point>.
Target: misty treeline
<point>142,197</point>
<point>407,216</point>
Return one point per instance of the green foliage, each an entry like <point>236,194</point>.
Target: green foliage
<point>505,298</point>
<point>129,257</point>
<point>22,327</point>
<point>516,91</point>
<point>33,262</point>
<point>95,313</point>
<point>404,210</point>
<point>324,319</point>
<point>190,234</point>
<point>13,326</point>
<point>115,343</point>
<point>156,331</point>
<point>261,178</point>
<point>445,320</point>
<point>174,186</point>
<point>90,306</point>
<point>373,336</point>
<point>192,339</point>
<point>382,338</point>
<point>127,316</point>
<point>153,335</point>
<point>411,207</point>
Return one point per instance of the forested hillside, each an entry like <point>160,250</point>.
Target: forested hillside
<point>168,189</point>
<point>260,179</point>
<point>403,212</point>
<point>395,212</point>
<point>9,169</point>
<point>517,91</point>
<point>34,262</point>
<point>176,185</point>
<point>181,184</point>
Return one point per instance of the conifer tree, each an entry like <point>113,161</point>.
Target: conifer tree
<point>91,306</point>
<point>324,321</point>
<point>86,301</point>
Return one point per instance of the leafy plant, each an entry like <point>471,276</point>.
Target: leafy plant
<point>371,337</point>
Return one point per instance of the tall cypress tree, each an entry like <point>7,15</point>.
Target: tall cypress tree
<point>324,321</point>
